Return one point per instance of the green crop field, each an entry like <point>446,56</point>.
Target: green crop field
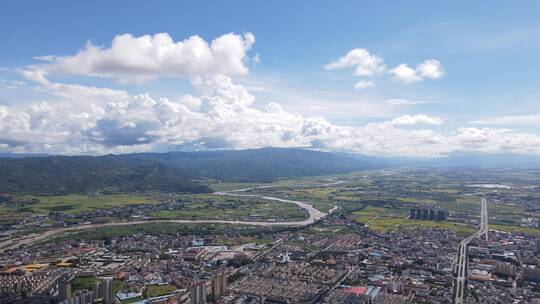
<point>380,198</point>
<point>228,208</point>
<point>386,224</point>
<point>232,186</point>
<point>83,203</point>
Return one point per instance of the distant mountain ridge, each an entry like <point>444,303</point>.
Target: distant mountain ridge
<point>171,172</point>
<point>183,171</point>
<point>258,165</point>
<point>87,174</point>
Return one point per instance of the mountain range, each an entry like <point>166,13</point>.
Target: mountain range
<point>191,171</point>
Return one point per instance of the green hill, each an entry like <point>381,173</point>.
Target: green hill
<point>170,172</point>
<point>86,174</point>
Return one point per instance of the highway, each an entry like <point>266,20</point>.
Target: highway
<point>460,271</point>
<point>314,215</point>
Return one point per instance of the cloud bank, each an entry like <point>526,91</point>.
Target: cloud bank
<point>222,115</point>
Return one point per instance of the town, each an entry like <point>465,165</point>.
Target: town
<point>345,256</point>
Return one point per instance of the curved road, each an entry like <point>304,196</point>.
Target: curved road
<point>314,215</point>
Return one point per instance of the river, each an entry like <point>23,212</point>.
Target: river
<point>314,215</point>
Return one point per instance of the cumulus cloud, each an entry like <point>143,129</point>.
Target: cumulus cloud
<point>431,69</point>
<point>223,115</point>
<point>141,58</point>
<point>405,73</point>
<point>418,119</point>
<point>363,63</point>
<point>368,65</point>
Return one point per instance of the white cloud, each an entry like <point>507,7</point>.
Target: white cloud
<point>405,73</point>
<point>83,94</point>
<point>274,108</point>
<point>418,119</point>
<point>11,84</point>
<point>363,63</point>
<point>525,120</point>
<point>36,75</point>
<point>362,84</point>
<point>366,64</point>
<point>223,115</point>
<point>495,140</point>
<point>146,57</point>
<point>193,103</point>
<point>404,101</point>
<point>431,69</point>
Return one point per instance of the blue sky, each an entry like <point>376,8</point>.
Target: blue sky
<point>480,92</point>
